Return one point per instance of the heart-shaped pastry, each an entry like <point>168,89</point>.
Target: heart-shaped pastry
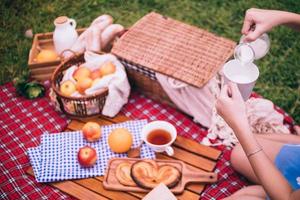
<point>123,174</point>
<point>147,174</point>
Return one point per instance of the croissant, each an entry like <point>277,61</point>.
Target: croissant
<point>147,174</point>
<point>123,174</point>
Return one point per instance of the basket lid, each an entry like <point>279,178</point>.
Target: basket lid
<point>173,48</point>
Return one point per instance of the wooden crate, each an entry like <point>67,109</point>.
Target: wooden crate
<point>197,156</point>
<point>43,70</point>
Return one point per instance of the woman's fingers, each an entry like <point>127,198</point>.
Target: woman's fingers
<point>233,88</point>
<point>229,90</point>
<point>256,33</point>
<point>224,91</point>
<point>235,92</point>
<point>247,25</point>
<point>251,36</point>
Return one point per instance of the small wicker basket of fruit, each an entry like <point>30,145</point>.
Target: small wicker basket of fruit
<point>74,82</point>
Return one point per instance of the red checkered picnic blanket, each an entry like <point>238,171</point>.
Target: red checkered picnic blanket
<point>22,122</point>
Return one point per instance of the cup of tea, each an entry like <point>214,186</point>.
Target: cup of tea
<point>159,136</point>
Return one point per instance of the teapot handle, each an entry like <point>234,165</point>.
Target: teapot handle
<point>72,23</point>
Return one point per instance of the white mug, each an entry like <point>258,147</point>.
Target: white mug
<point>244,76</point>
<point>166,126</point>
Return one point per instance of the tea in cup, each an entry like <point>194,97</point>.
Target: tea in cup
<point>159,136</point>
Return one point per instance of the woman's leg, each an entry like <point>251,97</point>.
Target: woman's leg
<point>241,164</point>
<point>282,138</point>
<point>271,144</point>
<point>251,192</point>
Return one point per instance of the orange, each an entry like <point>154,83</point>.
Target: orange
<point>120,140</point>
<point>46,55</point>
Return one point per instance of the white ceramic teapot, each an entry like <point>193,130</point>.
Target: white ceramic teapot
<point>65,33</point>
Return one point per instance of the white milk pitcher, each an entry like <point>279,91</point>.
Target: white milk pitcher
<point>65,33</point>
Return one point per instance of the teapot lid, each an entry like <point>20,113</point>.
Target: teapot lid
<point>61,20</point>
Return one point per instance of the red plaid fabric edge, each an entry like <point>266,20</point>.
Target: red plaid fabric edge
<point>22,121</point>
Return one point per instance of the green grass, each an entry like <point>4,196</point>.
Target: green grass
<point>280,69</point>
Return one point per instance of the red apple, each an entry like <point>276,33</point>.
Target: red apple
<point>87,156</point>
<point>91,131</point>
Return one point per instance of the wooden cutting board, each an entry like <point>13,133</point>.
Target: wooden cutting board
<point>193,154</point>
<point>188,175</point>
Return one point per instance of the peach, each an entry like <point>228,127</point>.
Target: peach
<point>67,88</point>
<point>83,84</point>
<point>91,131</point>
<point>107,68</point>
<point>96,74</point>
<point>87,156</point>
<point>81,72</point>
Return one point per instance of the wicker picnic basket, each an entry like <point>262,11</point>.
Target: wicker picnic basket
<point>76,107</point>
<point>160,44</point>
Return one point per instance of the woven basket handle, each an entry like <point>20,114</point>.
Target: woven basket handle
<point>66,50</point>
<point>175,84</point>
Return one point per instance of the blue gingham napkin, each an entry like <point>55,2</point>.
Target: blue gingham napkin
<point>55,158</point>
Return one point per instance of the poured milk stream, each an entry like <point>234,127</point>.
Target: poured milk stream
<point>246,55</point>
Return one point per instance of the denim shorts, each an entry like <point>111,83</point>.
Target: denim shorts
<point>288,163</point>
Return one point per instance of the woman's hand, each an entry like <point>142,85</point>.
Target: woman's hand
<point>258,21</point>
<point>231,106</point>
